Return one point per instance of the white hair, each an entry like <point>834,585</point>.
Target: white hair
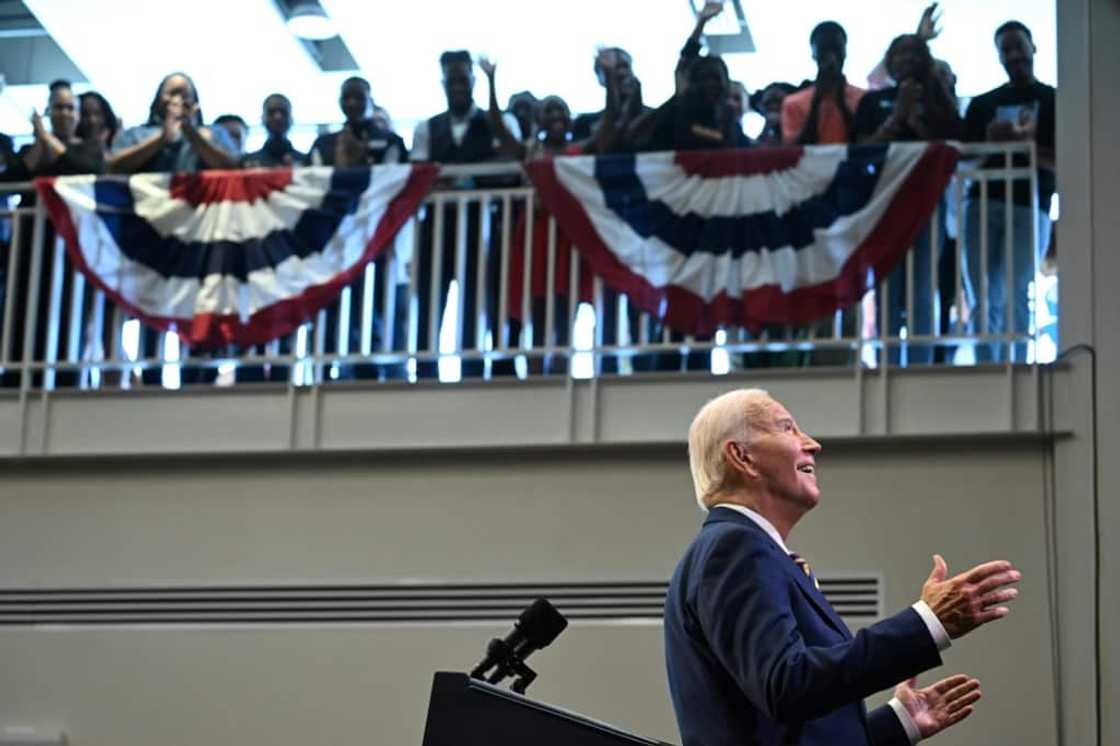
<point>730,416</point>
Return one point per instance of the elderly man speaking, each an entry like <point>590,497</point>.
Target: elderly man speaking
<point>755,653</point>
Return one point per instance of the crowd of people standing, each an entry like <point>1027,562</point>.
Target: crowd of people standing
<point>913,97</point>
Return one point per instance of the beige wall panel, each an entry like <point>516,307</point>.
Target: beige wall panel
<point>577,515</point>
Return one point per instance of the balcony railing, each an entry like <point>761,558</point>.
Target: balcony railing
<point>484,318</point>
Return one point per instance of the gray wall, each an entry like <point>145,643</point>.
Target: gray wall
<point>578,514</point>
<point>1088,161</point>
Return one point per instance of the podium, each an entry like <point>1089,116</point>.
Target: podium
<point>468,712</point>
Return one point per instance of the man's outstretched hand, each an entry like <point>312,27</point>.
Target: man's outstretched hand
<point>937,707</point>
<point>964,602</point>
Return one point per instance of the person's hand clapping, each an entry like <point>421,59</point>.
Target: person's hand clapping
<point>910,93</point>
<point>190,115</point>
<point>937,707</point>
<point>37,125</point>
<point>173,119</point>
<point>966,601</point>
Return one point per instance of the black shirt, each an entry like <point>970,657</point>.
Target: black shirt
<point>675,126</point>
<point>1009,103</point>
<point>876,107</point>
<point>11,166</point>
<point>277,152</point>
<point>80,157</point>
<point>382,146</point>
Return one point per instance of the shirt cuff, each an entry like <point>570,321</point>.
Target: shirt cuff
<point>936,631</point>
<point>912,731</point>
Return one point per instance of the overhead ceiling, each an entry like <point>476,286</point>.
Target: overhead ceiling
<point>238,51</point>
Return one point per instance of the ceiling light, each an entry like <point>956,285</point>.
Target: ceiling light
<point>310,21</point>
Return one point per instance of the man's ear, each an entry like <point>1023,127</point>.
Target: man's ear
<point>739,458</point>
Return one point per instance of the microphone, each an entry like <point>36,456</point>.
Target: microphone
<point>536,628</point>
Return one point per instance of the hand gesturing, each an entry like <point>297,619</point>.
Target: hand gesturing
<point>964,602</point>
<point>488,66</point>
<point>927,26</point>
<point>711,9</point>
<point>937,707</point>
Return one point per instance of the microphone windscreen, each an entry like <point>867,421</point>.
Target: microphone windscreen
<point>541,623</point>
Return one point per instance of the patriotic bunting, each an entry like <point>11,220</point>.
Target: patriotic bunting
<point>750,237</point>
<point>236,256</point>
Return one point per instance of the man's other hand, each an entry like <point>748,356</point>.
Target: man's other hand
<point>937,707</point>
<point>964,602</point>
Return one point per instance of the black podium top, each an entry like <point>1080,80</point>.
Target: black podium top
<point>467,712</point>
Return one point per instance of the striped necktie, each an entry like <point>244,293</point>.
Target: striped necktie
<point>805,568</point>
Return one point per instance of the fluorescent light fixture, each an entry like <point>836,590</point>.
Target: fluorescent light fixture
<point>310,21</point>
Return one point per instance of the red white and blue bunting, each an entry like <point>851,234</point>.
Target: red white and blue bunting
<point>231,257</point>
<point>783,235</point>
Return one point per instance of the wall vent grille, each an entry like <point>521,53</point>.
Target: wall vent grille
<point>857,598</point>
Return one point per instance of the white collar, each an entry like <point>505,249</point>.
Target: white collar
<point>759,519</point>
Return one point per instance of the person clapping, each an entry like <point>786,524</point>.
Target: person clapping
<point>174,138</point>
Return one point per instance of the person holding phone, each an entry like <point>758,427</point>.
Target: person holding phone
<point>1020,109</point>
<point>361,141</point>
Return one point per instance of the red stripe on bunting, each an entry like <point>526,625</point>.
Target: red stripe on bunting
<point>688,313</point>
<point>712,164</point>
<point>207,187</point>
<point>282,318</point>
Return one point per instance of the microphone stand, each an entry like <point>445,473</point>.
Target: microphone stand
<point>509,662</point>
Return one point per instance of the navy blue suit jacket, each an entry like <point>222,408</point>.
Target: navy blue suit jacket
<point>757,656</point>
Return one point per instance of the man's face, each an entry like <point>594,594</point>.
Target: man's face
<point>62,109</point>
<point>458,84</point>
<point>354,101</point>
<point>555,118</point>
<point>1016,54</point>
<point>277,117</point>
<point>784,458</point>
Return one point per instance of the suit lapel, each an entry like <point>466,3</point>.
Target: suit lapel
<point>805,585</point>
<point>803,582</point>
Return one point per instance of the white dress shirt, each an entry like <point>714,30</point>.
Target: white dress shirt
<point>936,630</point>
